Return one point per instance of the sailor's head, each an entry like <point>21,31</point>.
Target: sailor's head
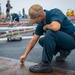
<point>8,1</point>
<point>35,11</point>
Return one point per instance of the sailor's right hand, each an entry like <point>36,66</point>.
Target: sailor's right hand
<point>22,58</point>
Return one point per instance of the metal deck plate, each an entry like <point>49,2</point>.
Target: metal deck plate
<point>14,67</point>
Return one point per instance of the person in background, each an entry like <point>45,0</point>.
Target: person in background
<point>0,8</point>
<point>0,13</point>
<point>59,36</point>
<point>8,7</point>
<point>23,11</point>
<point>15,18</point>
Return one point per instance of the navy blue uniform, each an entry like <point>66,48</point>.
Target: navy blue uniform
<point>8,7</point>
<point>15,17</point>
<point>59,40</point>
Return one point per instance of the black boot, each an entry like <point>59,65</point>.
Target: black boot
<point>41,68</point>
<point>63,56</point>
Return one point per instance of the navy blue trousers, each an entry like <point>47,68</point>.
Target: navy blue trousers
<point>52,42</point>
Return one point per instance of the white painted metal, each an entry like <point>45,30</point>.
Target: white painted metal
<point>9,28</point>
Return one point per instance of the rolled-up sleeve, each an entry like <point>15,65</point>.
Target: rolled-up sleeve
<point>57,18</point>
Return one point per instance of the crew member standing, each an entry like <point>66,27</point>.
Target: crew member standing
<point>8,7</point>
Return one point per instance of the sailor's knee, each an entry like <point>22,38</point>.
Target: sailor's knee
<point>41,41</point>
<point>49,32</point>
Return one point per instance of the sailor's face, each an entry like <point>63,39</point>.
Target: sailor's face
<point>39,19</point>
<point>8,1</point>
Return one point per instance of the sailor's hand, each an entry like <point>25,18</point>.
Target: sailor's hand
<point>45,27</point>
<point>22,58</point>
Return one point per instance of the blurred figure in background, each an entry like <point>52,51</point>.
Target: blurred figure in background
<point>15,18</point>
<point>23,12</point>
<point>0,7</point>
<point>8,7</point>
<point>0,13</point>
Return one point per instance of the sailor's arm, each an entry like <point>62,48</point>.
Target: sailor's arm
<point>29,48</point>
<point>54,26</point>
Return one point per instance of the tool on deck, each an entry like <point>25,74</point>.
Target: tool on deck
<point>12,37</point>
<point>15,34</point>
<point>17,37</point>
<point>11,34</point>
